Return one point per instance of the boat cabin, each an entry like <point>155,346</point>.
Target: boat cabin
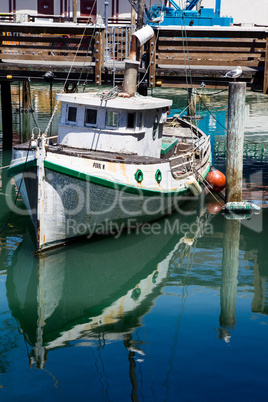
<point>121,125</point>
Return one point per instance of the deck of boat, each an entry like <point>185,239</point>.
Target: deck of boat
<point>178,131</point>
<point>96,155</point>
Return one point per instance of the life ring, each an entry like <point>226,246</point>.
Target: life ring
<point>70,87</point>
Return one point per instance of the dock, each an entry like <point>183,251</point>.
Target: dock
<point>175,57</point>
<point>83,54</point>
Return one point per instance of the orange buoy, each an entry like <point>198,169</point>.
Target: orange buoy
<point>216,180</point>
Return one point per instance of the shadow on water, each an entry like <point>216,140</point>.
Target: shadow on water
<point>103,292</point>
<point>97,290</point>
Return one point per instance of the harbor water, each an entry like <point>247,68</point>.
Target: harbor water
<point>172,311</point>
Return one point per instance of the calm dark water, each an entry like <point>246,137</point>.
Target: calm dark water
<point>172,311</point>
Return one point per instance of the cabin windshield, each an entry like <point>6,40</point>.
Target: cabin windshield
<point>131,120</point>
<point>111,119</point>
<point>91,117</point>
<point>72,113</point>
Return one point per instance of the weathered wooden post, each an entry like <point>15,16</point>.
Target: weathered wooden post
<point>191,102</point>
<point>99,55</point>
<point>26,96</point>
<point>235,141</point>
<point>133,16</point>
<point>230,265</point>
<point>152,61</point>
<point>6,115</point>
<point>265,78</point>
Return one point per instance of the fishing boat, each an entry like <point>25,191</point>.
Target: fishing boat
<point>118,161</point>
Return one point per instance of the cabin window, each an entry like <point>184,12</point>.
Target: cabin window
<point>131,120</point>
<point>155,127</point>
<point>112,119</point>
<point>72,113</point>
<point>91,117</point>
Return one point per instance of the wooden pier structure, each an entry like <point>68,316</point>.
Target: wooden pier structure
<point>174,55</point>
<point>90,54</point>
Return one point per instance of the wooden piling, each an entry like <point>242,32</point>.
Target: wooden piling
<point>152,61</point>
<point>191,102</point>
<point>265,78</point>
<point>99,55</point>
<point>6,115</point>
<point>230,264</point>
<point>235,142</point>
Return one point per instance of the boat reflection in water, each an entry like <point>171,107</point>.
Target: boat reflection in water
<point>98,289</point>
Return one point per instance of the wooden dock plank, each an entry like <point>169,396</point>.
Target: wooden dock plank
<point>55,45</point>
<point>265,79</point>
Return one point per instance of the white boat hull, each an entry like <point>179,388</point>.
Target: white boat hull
<point>67,197</point>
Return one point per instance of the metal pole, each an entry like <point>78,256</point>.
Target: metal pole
<point>75,11</point>
<point>106,53</point>
<point>235,141</point>
<point>69,10</point>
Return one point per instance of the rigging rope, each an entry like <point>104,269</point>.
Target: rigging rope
<point>68,74</point>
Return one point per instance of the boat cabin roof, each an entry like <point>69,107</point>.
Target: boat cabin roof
<point>133,103</point>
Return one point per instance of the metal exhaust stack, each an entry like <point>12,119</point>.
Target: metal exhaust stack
<point>132,65</point>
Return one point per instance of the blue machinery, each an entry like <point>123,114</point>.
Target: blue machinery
<point>166,16</point>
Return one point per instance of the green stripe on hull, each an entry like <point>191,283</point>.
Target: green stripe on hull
<point>119,186</point>
<point>13,170</point>
<point>21,167</point>
<point>110,184</point>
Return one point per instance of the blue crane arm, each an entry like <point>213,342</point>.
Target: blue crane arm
<point>192,4</point>
<point>218,7</point>
<point>175,5</point>
<point>189,7</point>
